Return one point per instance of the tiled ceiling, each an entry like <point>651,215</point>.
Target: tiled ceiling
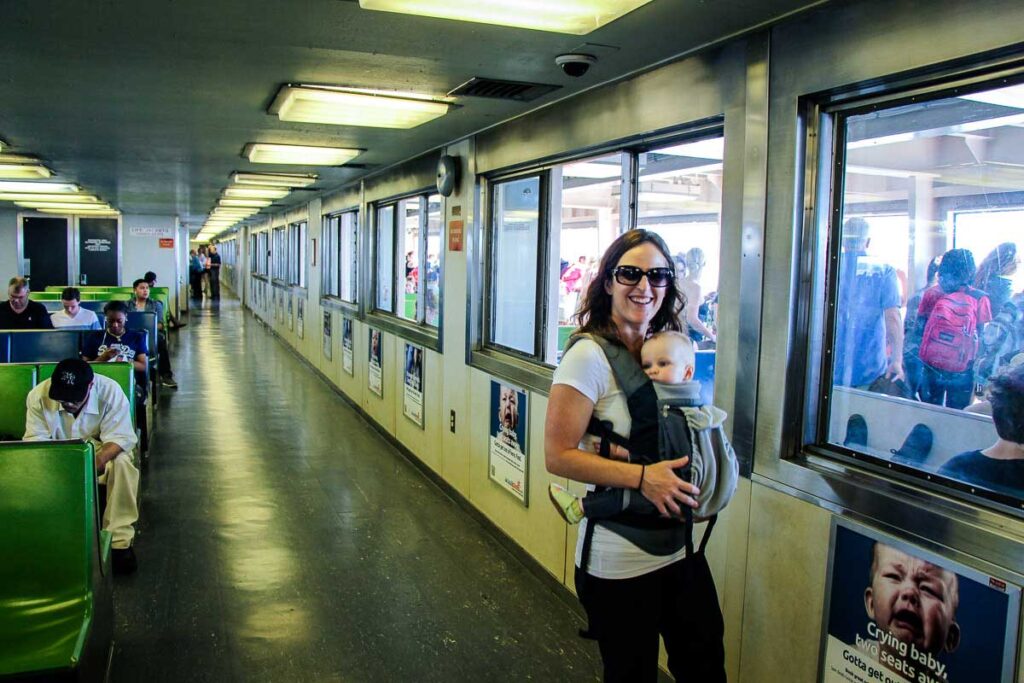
<point>149,103</point>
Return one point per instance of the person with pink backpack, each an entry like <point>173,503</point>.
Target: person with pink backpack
<point>948,320</point>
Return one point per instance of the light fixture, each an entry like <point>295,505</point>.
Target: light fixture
<point>254,203</point>
<point>356,107</point>
<point>66,198</point>
<point>578,17</point>
<point>38,188</point>
<point>274,179</point>
<point>17,159</point>
<point>65,206</point>
<point>24,171</point>
<point>254,192</point>
<point>83,212</point>
<point>264,153</point>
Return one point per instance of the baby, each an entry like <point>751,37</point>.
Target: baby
<point>668,359</point>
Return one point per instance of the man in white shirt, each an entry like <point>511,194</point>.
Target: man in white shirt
<point>77,404</point>
<point>73,315</point>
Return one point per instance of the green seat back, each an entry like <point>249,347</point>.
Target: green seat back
<point>16,380</point>
<point>122,373</point>
<point>49,538</point>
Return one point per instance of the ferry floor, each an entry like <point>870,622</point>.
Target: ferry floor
<point>282,539</point>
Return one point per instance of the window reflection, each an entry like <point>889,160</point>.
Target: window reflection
<point>929,286</point>
<point>385,257</point>
<point>514,285</point>
<point>432,275</point>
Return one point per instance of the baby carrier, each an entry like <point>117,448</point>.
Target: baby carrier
<point>658,433</point>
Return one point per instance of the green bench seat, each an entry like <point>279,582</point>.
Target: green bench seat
<point>56,612</point>
<point>16,380</point>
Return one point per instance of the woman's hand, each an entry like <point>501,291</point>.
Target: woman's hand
<point>615,451</point>
<point>667,491</point>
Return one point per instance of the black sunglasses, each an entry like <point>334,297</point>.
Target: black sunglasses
<point>631,275</point>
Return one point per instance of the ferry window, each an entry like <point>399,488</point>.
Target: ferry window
<point>297,254</point>
<point>412,269</point>
<point>926,294</point>
<point>515,254</point>
<point>262,253</point>
<point>253,252</point>
<point>279,254</point>
<point>385,257</point>
<point>329,241</point>
<point>347,254</point>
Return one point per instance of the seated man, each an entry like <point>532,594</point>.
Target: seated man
<point>18,313</point>
<point>117,343</point>
<point>1000,467</point>
<point>142,302</point>
<point>73,315</point>
<point>77,404</point>
<point>150,278</point>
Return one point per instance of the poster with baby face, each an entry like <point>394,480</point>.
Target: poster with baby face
<point>899,614</point>
<point>507,462</point>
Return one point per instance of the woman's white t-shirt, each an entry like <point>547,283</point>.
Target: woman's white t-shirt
<point>585,368</point>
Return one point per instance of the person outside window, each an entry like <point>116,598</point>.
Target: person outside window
<point>995,273</point>
<point>72,314</point>
<point>689,286</point>
<point>869,327</point>
<point>142,302</point>
<point>20,313</point>
<point>631,596</point>
<point>75,403</point>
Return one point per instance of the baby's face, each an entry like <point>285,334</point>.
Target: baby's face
<point>664,360</point>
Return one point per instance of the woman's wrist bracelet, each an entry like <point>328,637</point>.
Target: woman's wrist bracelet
<point>643,471</point>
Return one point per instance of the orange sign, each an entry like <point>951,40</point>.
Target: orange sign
<point>455,235</point>
<point>167,243</point>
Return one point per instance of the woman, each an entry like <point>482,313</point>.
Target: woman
<point>631,597</point>
<point>689,286</point>
<point>994,273</point>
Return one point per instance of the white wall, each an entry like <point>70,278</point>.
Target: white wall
<point>143,252</point>
<point>9,266</point>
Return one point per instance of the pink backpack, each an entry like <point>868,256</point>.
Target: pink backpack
<point>950,339</point>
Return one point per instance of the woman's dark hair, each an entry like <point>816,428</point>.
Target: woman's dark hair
<point>595,312</point>
<point>1006,394</point>
<point>71,294</point>
<point>995,263</point>
<point>956,270</point>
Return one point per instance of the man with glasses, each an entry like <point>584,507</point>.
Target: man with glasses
<point>75,403</point>
<point>18,313</point>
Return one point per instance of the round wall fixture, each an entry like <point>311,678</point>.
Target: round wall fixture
<point>447,174</point>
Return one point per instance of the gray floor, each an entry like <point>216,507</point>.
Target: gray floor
<point>283,540</point>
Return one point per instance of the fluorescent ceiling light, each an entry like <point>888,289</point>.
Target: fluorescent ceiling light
<point>66,206</point>
<point>83,211</point>
<point>578,17</point>
<point>17,159</point>
<point>23,171</point>
<point>355,107</point>
<point>66,198</point>
<point>254,203</point>
<point>254,192</point>
<point>263,153</point>
<point>275,179</point>
<point>38,188</point>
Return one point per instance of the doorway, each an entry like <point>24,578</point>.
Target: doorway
<point>45,251</point>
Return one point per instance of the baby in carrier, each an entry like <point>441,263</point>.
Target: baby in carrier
<point>684,427</point>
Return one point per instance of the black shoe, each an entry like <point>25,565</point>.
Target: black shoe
<point>856,431</point>
<point>123,561</point>
<point>169,382</point>
<point>916,446</point>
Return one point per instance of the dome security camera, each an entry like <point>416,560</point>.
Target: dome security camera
<point>575,65</point>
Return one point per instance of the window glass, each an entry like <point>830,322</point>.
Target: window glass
<point>385,257</point>
<point>349,226</point>
<point>587,200</point>
<point>300,262</point>
<point>927,301</point>
<point>409,229</point>
<point>432,274</point>
<point>329,241</point>
<point>264,252</point>
<point>516,224</point>
<point>253,251</point>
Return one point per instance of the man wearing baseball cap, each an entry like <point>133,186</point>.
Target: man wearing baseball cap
<point>75,403</point>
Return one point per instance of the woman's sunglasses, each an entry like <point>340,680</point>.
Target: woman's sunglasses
<point>631,275</point>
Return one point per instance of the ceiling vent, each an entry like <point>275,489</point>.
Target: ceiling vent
<point>493,88</point>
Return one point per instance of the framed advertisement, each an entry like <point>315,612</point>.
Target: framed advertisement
<point>897,613</point>
<point>507,462</point>
<point>300,318</point>
<point>346,346</point>
<point>291,313</point>
<point>412,391</point>
<point>375,374</point>
<point>327,335</point>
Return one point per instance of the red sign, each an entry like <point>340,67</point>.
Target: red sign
<point>454,235</point>
<point>167,243</point>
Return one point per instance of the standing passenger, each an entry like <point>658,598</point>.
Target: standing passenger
<point>690,288</point>
<point>994,273</point>
<point>631,595</point>
<point>19,313</point>
<point>214,272</point>
<point>195,274</point>
<point>869,327</point>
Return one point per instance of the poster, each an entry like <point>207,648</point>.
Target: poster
<point>506,457</point>
<point>375,375</point>
<point>898,614</point>
<point>346,347</point>
<point>412,395</point>
<point>300,318</point>
<point>327,335</point>
<point>291,313</point>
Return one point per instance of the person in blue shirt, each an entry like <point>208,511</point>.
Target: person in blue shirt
<point>869,326</point>
<point>116,343</point>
